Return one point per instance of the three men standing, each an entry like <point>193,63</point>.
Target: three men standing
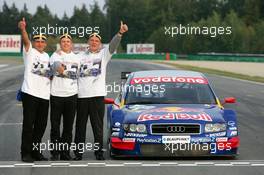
<point>77,81</point>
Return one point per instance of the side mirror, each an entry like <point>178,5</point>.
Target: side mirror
<point>229,100</point>
<point>110,101</point>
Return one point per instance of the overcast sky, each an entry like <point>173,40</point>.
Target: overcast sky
<point>55,6</point>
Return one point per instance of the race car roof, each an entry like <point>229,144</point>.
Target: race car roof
<point>165,73</point>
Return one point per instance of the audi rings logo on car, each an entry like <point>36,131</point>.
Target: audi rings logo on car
<point>175,128</point>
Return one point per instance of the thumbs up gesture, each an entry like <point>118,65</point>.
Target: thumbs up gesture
<point>22,24</point>
<point>123,28</point>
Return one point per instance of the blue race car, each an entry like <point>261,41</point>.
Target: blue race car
<point>164,113</point>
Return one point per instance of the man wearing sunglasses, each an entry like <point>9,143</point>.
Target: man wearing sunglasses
<point>92,89</point>
<point>35,94</point>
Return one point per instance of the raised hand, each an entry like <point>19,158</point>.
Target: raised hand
<point>123,28</point>
<point>22,24</point>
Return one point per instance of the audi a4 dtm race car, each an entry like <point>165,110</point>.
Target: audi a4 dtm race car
<point>170,113</point>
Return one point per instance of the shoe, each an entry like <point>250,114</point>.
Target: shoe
<point>99,155</point>
<point>65,156</point>
<point>77,158</point>
<point>39,157</point>
<point>27,158</point>
<point>54,157</point>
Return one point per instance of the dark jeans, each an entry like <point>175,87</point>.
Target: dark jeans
<point>35,116</point>
<point>95,108</point>
<point>66,107</point>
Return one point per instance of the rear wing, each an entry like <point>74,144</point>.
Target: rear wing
<point>124,75</point>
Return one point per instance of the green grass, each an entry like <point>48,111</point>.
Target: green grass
<point>11,59</point>
<point>216,72</point>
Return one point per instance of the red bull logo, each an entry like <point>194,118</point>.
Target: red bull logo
<point>174,116</point>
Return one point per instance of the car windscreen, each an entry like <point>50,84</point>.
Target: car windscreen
<point>169,93</point>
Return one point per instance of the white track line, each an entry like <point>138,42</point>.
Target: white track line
<point>3,65</point>
<point>132,163</point>
<point>7,166</point>
<point>168,163</point>
<point>78,165</point>
<point>42,166</point>
<point>204,163</point>
<point>136,164</point>
<point>60,164</point>
<point>257,164</point>
<point>240,163</point>
<point>9,124</point>
<point>150,164</point>
<point>114,165</point>
<point>96,164</point>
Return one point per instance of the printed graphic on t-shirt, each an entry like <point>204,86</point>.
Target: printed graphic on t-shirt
<point>91,68</point>
<point>70,71</point>
<point>41,68</point>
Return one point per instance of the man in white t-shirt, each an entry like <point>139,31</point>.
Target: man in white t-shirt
<point>64,88</point>
<point>92,89</point>
<point>35,94</point>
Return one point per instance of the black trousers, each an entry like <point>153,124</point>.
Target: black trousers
<point>66,107</point>
<point>35,116</point>
<point>95,108</point>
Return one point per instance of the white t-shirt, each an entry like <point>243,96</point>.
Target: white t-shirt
<point>65,85</point>
<point>92,73</point>
<point>37,72</point>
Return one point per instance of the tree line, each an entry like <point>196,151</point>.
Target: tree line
<point>147,20</point>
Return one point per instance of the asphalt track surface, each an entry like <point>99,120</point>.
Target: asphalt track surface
<point>249,107</point>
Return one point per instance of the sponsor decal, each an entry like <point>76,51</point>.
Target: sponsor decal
<point>139,108</point>
<point>201,139</point>
<point>134,135</point>
<point>140,48</point>
<point>233,128</point>
<point>10,43</point>
<point>175,116</point>
<point>218,134</point>
<point>145,80</point>
<point>115,129</point>
<point>221,139</point>
<point>176,139</point>
<point>231,123</point>
<point>233,133</point>
<point>149,140</point>
<point>117,124</point>
<point>115,134</point>
<point>128,139</point>
<point>174,109</point>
